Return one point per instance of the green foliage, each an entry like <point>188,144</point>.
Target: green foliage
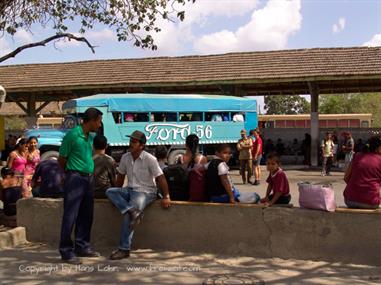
<point>352,103</point>
<point>284,104</point>
<point>14,123</point>
<point>131,19</point>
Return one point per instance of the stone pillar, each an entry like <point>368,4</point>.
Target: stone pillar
<point>314,92</point>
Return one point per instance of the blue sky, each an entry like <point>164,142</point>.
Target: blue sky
<point>220,26</point>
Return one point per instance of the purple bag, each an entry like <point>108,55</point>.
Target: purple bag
<point>316,196</point>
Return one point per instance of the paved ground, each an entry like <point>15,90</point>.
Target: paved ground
<point>296,174</point>
<point>39,264</point>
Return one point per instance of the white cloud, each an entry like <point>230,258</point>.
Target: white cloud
<point>23,37</point>
<point>374,42</point>
<point>102,35</point>
<point>4,47</point>
<point>338,27</point>
<point>269,28</point>
<point>174,35</point>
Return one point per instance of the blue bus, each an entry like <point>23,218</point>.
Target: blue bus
<point>165,119</point>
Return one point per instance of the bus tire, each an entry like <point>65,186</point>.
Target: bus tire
<point>174,155</point>
<point>51,154</point>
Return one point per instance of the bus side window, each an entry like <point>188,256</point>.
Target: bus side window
<point>196,117</point>
<point>184,117</point>
<point>117,117</point>
<point>141,117</point>
<point>128,117</point>
<point>238,117</point>
<point>170,117</point>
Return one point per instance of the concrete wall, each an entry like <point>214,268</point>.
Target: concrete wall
<point>242,230</point>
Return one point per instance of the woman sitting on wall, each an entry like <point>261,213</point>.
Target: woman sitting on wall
<point>363,177</point>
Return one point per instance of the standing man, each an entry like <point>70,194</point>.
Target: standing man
<point>75,157</point>
<point>244,147</point>
<point>348,149</point>
<point>257,156</point>
<point>143,173</point>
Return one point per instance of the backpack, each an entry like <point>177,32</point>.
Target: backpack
<point>177,180</point>
<point>197,184</point>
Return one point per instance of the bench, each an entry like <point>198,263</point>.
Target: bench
<point>235,230</point>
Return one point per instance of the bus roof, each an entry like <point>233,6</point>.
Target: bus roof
<point>142,102</point>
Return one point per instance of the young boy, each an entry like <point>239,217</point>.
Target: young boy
<point>218,182</point>
<point>104,168</point>
<point>278,190</point>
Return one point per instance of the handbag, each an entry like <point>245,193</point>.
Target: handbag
<point>316,196</point>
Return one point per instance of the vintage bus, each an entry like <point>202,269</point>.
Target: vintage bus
<point>165,119</point>
<point>330,121</point>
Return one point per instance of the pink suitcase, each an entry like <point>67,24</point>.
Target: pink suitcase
<point>316,196</point>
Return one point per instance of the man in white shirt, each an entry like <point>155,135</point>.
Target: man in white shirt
<point>143,172</point>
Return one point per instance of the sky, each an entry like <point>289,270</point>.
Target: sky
<point>222,26</point>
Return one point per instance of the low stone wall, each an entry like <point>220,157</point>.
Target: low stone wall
<point>242,230</point>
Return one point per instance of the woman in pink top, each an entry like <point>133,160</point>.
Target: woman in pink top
<point>17,161</point>
<point>33,159</point>
<point>363,178</point>
<point>18,158</point>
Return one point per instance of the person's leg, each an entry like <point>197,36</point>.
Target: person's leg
<point>324,166</point>
<point>139,201</point>
<point>249,169</point>
<point>243,170</point>
<point>120,197</point>
<point>356,205</point>
<point>329,165</point>
<point>85,218</point>
<point>74,192</point>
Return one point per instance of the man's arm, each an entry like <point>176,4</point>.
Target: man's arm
<point>163,185</point>
<point>119,179</point>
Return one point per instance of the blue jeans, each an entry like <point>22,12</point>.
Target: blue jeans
<point>225,198</point>
<point>125,199</point>
<point>78,212</point>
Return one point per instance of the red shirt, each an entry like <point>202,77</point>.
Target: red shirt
<point>258,141</point>
<point>364,183</point>
<point>279,182</point>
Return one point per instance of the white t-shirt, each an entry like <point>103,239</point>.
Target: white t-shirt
<point>142,172</point>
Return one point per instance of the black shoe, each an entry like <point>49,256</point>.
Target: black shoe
<point>135,217</point>
<point>256,183</point>
<point>88,253</point>
<point>119,254</point>
<point>72,260</point>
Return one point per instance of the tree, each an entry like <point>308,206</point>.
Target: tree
<point>286,104</point>
<point>352,103</point>
<point>133,20</point>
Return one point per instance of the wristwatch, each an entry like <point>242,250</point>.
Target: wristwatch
<point>166,196</point>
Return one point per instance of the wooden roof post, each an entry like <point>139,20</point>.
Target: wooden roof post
<point>314,92</point>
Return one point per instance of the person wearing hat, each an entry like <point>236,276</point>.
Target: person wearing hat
<point>244,146</point>
<point>76,158</point>
<point>143,173</point>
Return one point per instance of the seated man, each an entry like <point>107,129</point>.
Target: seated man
<point>142,169</point>
<point>48,179</point>
<point>10,192</point>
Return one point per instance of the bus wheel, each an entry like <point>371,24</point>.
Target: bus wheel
<point>51,154</point>
<point>174,156</point>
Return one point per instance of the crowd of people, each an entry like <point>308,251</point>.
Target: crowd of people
<point>84,171</point>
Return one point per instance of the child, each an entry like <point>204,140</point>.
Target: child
<point>161,156</point>
<point>218,182</point>
<point>104,168</point>
<point>278,190</point>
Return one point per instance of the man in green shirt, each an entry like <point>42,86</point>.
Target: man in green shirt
<point>76,159</point>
